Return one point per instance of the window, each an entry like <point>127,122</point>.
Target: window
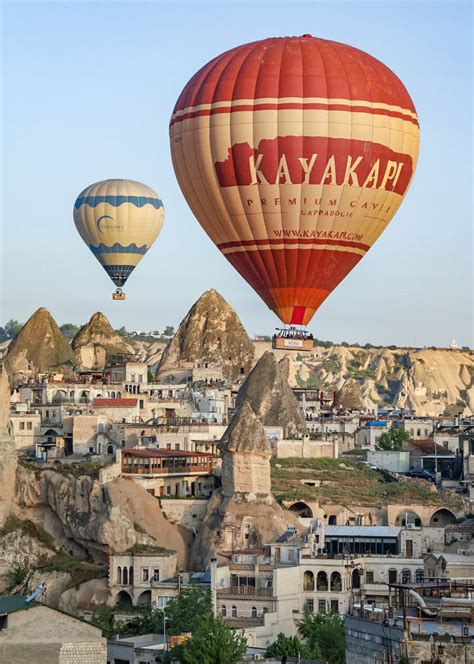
<point>308,580</point>
<point>322,581</point>
<point>168,446</point>
<point>156,575</point>
<point>406,576</point>
<point>335,606</point>
<point>145,575</point>
<point>336,582</point>
<point>29,426</point>
<point>22,426</point>
<point>254,611</point>
<point>234,612</point>
<point>223,611</point>
<point>176,447</point>
<point>3,622</point>
<point>392,576</point>
<point>310,605</point>
<point>322,606</point>
<point>140,378</point>
<point>419,575</point>
<point>369,577</point>
<point>142,403</point>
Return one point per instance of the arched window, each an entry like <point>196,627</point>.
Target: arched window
<point>332,521</point>
<point>392,576</point>
<point>254,611</point>
<point>130,576</point>
<point>308,580</point>
<point>336,582</point>
<point>223,611</point>
<point>322,581</point>
<point>406,576</point>
<point>356,579</point>
<point>234,612</point>
<point>119,576</point>
<point>110,449</point>
<point>419,575</point>
<point>125,577</point>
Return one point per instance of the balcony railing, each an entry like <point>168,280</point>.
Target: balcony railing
<point>190,469</point>
<point>245,591</point>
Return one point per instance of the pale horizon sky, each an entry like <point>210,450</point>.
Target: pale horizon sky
<point>87,92</point>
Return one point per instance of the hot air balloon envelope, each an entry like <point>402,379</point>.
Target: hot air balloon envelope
<point>294,154</point>
<point>118,220</point>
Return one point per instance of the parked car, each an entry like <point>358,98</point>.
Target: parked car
<point>421,474</point>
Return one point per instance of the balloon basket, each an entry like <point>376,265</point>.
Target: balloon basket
<point>292,339</point>
<point>118,295</point>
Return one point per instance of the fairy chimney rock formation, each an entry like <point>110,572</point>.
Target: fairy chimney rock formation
<point>210,334</point>
<point>245,455</point>
<point>268,393</point>
<point>96,343</point>
<point>39,347</point>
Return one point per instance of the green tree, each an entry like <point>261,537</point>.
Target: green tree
<point>122,332</point>
<point>11,329</point>
<point>324,636</point>
<point>289,646</point>
<point>185,612</point>
<point>169,331</point>
<point>17,574</point>
<point>212,642</point>
<point>69,330</point>
<point>392,439</point>
<point>104,618</point>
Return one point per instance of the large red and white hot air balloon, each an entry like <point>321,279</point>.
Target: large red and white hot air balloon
<point>294,154</point>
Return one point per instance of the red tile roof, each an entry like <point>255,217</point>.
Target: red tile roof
<point>426,446</point>
<point>148,452</point>
<point>114,403</point>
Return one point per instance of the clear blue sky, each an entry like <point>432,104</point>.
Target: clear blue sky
<point>88,89</point>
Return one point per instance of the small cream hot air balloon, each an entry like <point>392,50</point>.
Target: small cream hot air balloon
<point>118,220</point>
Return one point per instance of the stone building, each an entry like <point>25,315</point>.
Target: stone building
<point>131,575</point>
<point>39,634</point>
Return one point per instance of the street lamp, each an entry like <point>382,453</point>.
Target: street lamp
<point>164,628</point>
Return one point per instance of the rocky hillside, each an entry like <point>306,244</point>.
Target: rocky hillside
<point>39,347</point>
<point>211,333</point>
<point>431,381</point>
<point>96,343</point>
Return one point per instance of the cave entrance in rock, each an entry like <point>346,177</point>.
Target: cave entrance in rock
<point>302,510</point>
<point>144,599</point>
<point>442,518</point>
<point>123,599</point>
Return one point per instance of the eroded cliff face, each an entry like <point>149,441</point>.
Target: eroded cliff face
<point>268,393</point>
<point>212,333</point>
<point>92,520</point>
<point>96,343</point>
<point>8,461</point>
<point>431,381</point>
<point>39,347</point>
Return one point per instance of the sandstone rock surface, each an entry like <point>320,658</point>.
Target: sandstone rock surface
<point>8,460</point>
<point>430,380</point>
<point>267,391</point>
<point>245,455</point>
<point>96,343</point>
<point>92,520</point>
<point>39,347</point>
<point>212,333</point>
<point>243,513</point>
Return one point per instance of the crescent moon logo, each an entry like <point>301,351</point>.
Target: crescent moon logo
<point>104,216</point>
